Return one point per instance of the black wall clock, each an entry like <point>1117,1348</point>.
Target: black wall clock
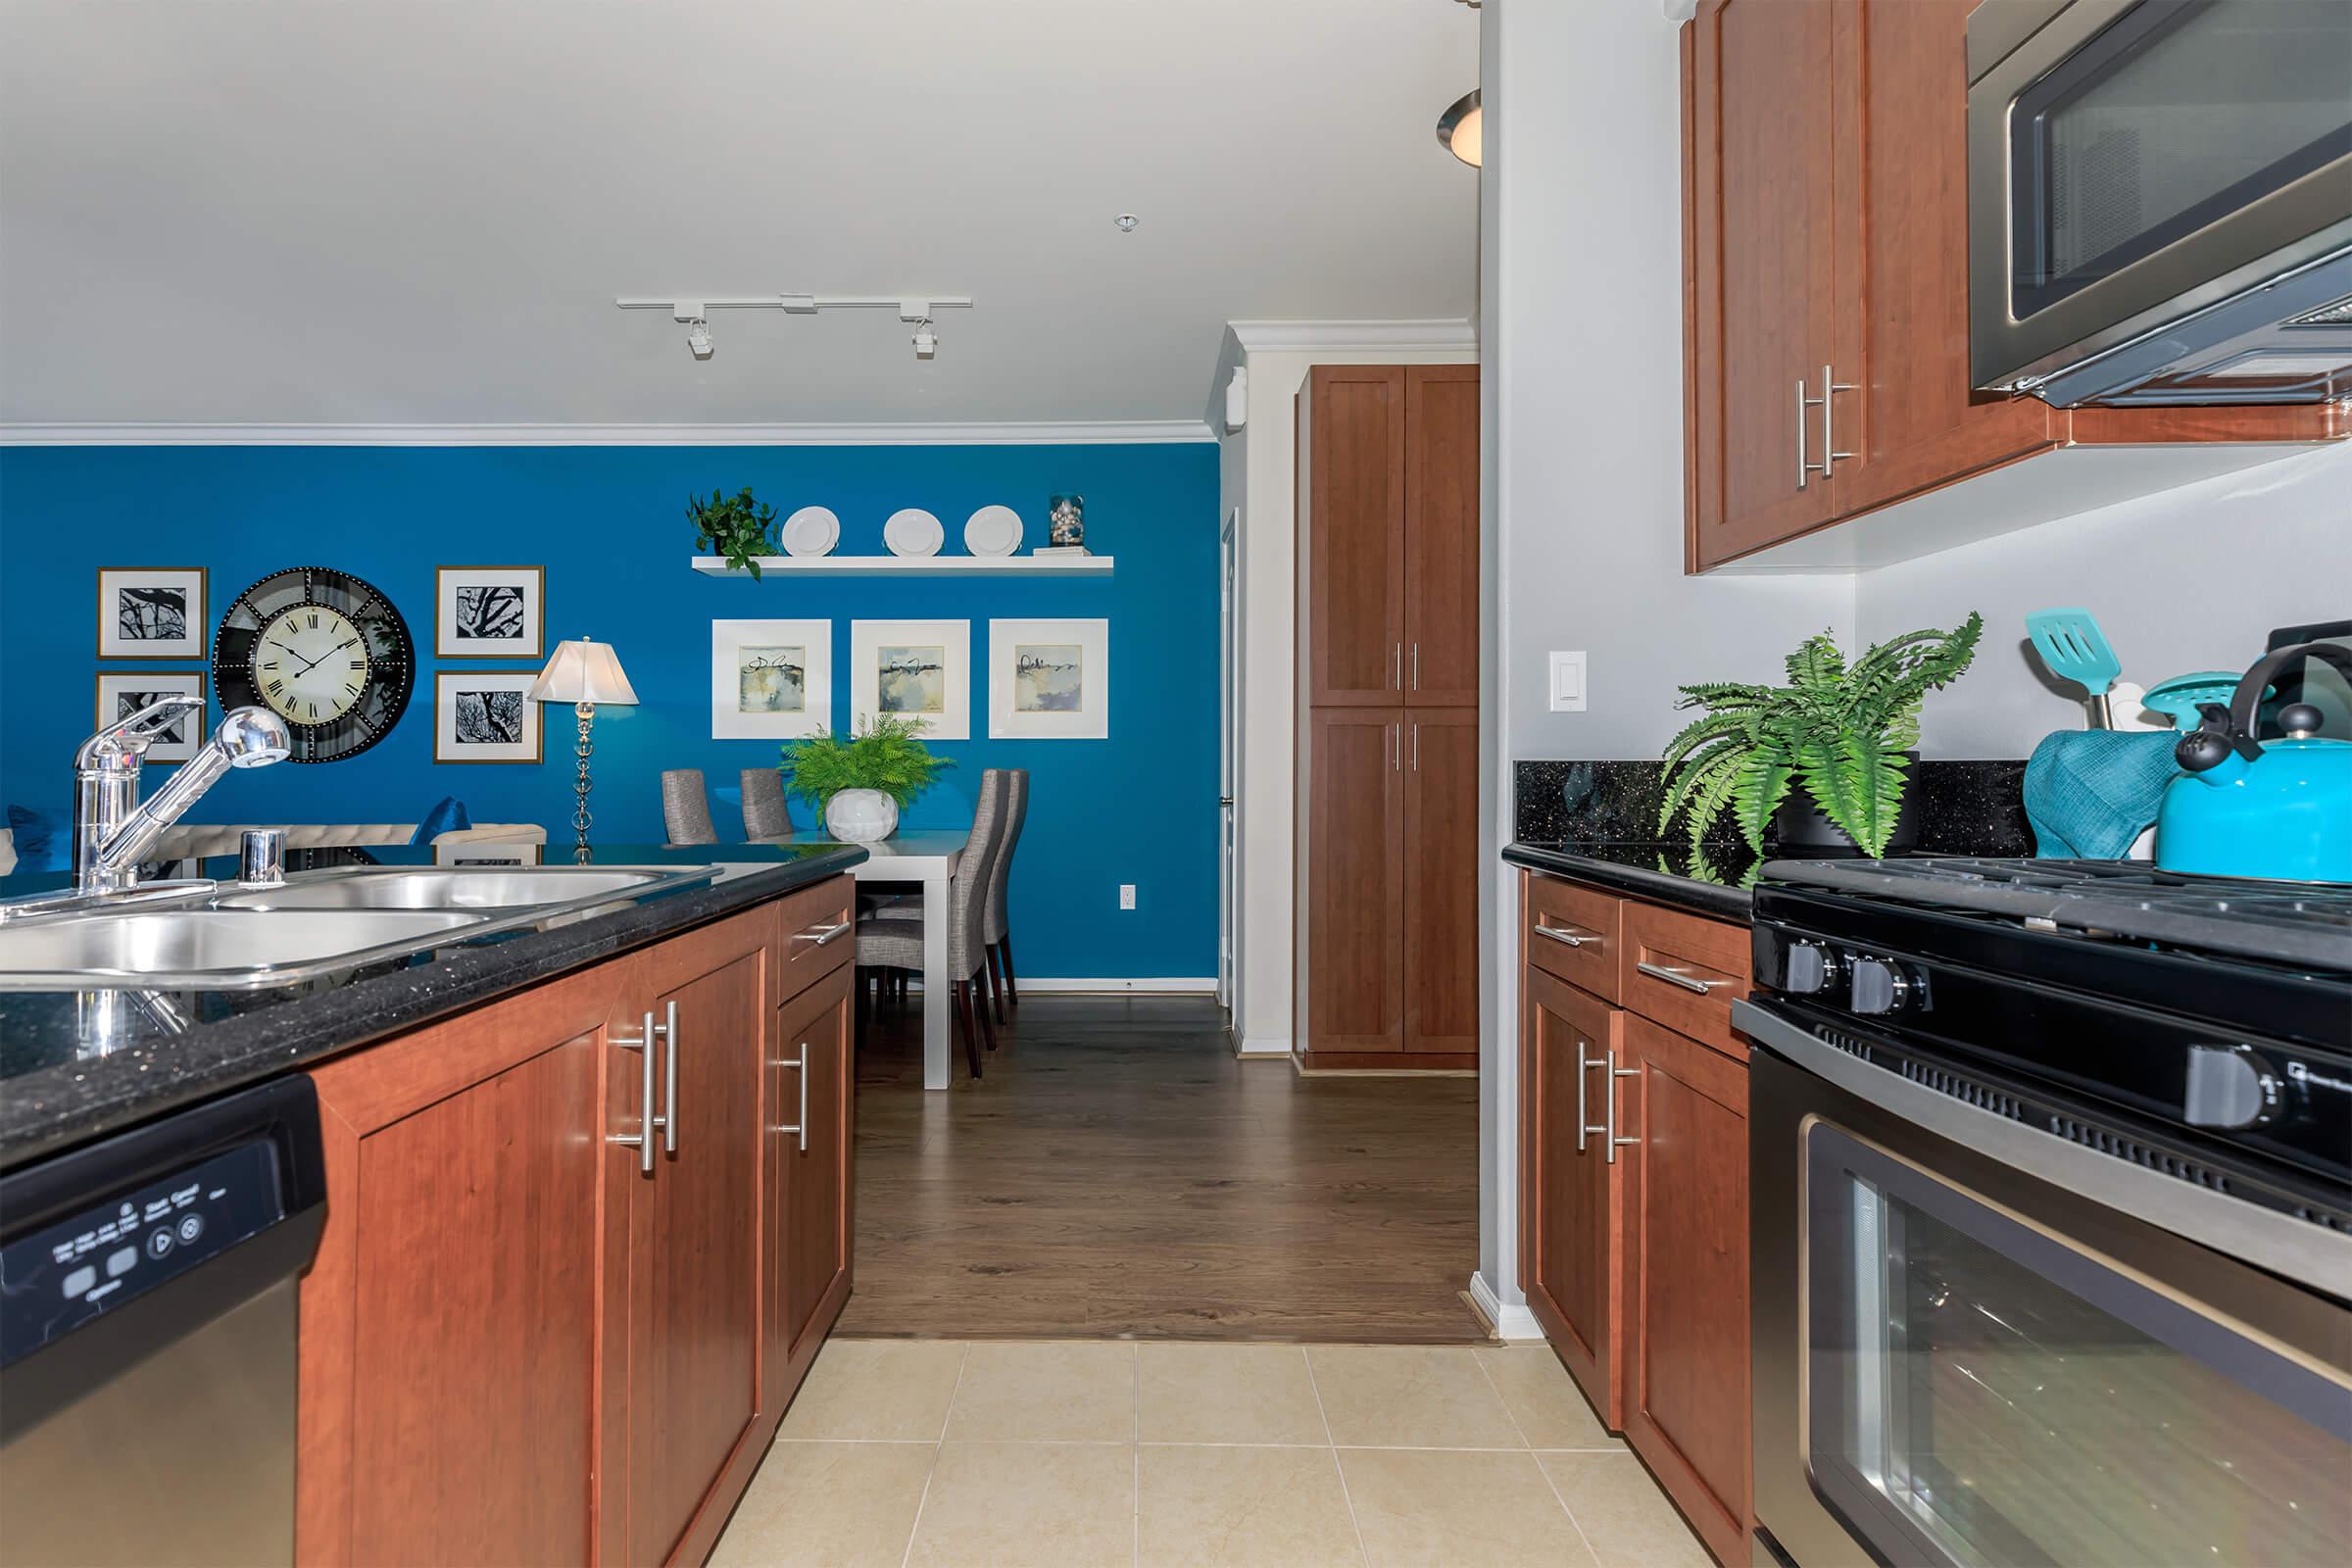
<point>322,649</point>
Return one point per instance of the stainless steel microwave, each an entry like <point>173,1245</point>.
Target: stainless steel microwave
<point>2160,200</point>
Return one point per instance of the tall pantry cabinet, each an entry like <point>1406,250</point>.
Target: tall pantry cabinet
<point>1388,733</point>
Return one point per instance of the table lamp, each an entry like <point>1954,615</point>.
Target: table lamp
<point>583,673</point>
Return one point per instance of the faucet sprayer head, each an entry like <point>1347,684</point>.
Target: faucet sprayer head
<point>253,737</point>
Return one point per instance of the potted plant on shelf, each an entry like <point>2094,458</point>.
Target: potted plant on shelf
<point>1843,733</point>
<point>859,785</point>
<point>734,526</point>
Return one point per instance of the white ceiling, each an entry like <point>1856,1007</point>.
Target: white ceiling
<point>285,212</point>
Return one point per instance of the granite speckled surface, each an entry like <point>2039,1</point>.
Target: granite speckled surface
<point>1661,873</point>
<point>75,1066</point>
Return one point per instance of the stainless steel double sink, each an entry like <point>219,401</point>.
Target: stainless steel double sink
<point>232,938</point>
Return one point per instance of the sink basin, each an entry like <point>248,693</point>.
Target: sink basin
<point>463,888</point>
<point>163,948</point>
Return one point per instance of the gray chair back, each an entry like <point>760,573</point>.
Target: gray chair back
<point>764,814</point>
<point>968,889</point>
<point>686,808</point>
<point>1018,813</point>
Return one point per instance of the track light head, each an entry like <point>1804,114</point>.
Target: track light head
<point>926,340</point>
<point>698,338</point>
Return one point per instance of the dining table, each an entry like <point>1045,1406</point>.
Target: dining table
<point>928,858</point>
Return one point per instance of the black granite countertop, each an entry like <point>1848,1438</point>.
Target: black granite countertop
<point>1708,884</point>
<point>78,1064</point>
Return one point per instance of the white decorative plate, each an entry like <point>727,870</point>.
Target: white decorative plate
<point>811,531</point>
<point>992,531</point>
<point>913,531</point>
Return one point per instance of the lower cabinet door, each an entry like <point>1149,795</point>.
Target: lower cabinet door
<point>811,1236</point>
<point>1441,880</point>
<point>1570,1209</point>
<point>694,1293</point>
<point>1685,1263</point>
<point>1355,880</point>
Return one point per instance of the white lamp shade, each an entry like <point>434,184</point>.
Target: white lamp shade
<point>583,671</point>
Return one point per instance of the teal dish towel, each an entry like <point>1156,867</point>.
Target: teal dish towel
<point>2090,792</point>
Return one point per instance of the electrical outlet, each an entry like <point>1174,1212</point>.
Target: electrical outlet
<point>1568,683</point>
<point>1126,895</point>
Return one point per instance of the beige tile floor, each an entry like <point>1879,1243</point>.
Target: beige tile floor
<point>1170,1456</point>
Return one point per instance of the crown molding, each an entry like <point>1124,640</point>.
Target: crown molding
<point>1260,337</point>
<point>1081,433</point>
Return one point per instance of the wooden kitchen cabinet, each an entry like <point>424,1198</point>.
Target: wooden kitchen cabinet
<point>1441,536</point>
<point>517,1346</point>
<point>1355,875</point>
<point>1824,235</point>
<point>1439,849</point>
<point>1570,1196</point>
<point>1355,461</point>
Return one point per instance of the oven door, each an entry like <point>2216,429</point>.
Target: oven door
<point>2132,162</point>
<point>1960,1358</point>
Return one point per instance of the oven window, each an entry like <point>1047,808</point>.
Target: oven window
<point>2175,114</point>
<point>1978,1392</point>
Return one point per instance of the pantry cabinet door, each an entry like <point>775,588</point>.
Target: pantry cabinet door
<point>1355,946</point>
<point>1439,913</point>
<point>1441,536</point>
<point>1352,463</point>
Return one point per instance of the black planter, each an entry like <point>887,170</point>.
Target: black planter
<point>1804,833</point>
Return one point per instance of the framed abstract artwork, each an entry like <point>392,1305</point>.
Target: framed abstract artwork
<point>1049,680</point>
<point>152,613</point>
<point>912,669</point>
<point>122,695</point>
<point>489,612</point>
<point>485,715</point>
<point>771,679</point>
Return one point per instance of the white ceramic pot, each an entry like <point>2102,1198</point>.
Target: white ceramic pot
<point>861,817</point>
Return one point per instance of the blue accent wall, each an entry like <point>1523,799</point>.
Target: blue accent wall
<point>608,523</point>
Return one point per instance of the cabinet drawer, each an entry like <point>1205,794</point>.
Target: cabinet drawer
<point>817,928</point>
<point>1572,932</point>
<point>1686,971</point>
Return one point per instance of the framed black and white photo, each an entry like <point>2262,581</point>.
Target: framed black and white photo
<point>485,715</point>
<point>489,612</point>
<point>1049,680</point>
<point>150,612</point>
<point>771,679</point>
<point>912,669</point>
<point>122,695</point>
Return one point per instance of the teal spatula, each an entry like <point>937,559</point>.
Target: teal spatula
<point>2074,648</point>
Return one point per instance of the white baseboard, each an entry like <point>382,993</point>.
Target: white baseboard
<point>1510,1322</point>
<point>1262,1046</point>
<point>1182,987</point>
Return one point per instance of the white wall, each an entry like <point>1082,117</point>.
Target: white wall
<point>2190,579</point>
<point>1258,474</point>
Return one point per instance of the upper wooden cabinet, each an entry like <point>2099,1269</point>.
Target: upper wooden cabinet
<point>1390,472</point>
<point>1826,308</point>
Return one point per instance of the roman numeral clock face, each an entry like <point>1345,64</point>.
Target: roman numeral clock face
<point>324,650</point>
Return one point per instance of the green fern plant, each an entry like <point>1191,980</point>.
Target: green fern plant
<point>1839,731</point>
<point>734,526</point>
<point>888,756</point>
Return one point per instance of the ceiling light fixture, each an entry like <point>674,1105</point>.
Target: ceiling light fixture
<point>1126,222</point>
<point>694,313</point>
<point>926,340</point>
<point>1461,128</point>
<point>698,338</point>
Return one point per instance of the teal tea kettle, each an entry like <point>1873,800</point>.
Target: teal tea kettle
<point>2245,807</point>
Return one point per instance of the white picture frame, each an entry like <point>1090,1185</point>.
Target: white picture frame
<point>931,678</point>
<point>489,612</point>
<point>123,693</point>
<point>152,611</point>
<point>500,696</point>
<point>1049,680</point>
<point>759,661</point>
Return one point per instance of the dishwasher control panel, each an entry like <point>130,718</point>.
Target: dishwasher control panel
<point>55,1279</point>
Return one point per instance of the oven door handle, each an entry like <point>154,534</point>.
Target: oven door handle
<point>2248,1232</point>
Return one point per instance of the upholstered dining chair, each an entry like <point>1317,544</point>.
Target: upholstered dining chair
<point>686,808</point>
<point>895,946</point>
<point>997,933</point>
<point>765,816</point>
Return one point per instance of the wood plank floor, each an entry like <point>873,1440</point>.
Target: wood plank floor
<point>1117,1173</point>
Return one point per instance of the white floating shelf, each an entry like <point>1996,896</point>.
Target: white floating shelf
<point>912,567</point>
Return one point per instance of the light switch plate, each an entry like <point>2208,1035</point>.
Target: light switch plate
<point>1568,683</point>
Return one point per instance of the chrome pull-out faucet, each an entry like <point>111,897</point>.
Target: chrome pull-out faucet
<point>112,831</point>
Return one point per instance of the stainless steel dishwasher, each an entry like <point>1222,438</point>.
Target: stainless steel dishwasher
<point>147,1336</point>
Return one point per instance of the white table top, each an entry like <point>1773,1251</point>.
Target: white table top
<point>904,857</point>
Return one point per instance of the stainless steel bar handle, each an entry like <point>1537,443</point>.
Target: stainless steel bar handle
<point>1803,403</point>
<point>1829,406</point>
<point>1616,1072</point>
<point>1582,1067</point>
<point>1678,977</point>
<point>1397,666</point>
<point>823,934</point>
<point>1416,667</point>
<point>669,1088</point>
<point>799,1065</point>
<point>1397,745</point>
<point>642,1141</point>
<point>1573,938</point>
<point>1416,746</point>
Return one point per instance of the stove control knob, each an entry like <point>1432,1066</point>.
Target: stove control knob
<point>1878,987</point>
<point>2229,1089</point>
<point>1809,968</point>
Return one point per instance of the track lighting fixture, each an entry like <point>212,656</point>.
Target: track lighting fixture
<point>694,313</point>
<point>926,339</point>
<point>698,338</point>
